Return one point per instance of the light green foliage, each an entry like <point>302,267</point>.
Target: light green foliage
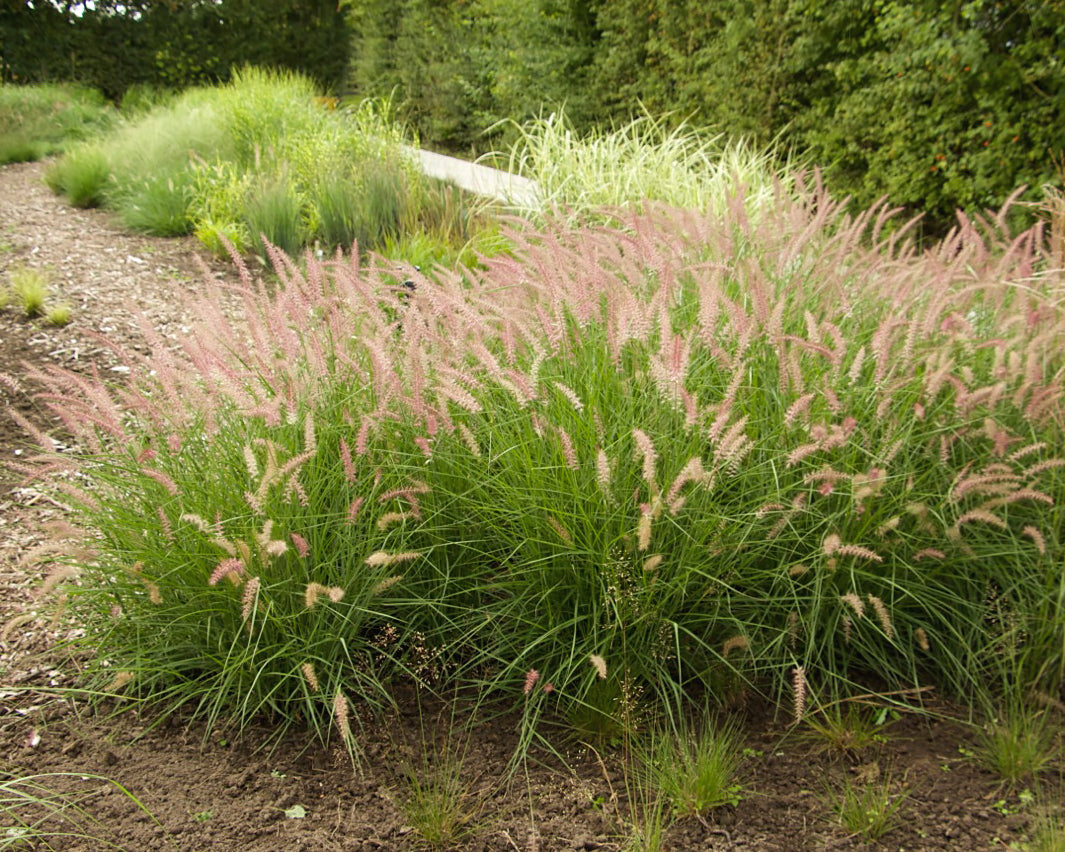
<point>28,288</point>
<point>868,810</point>
<point>258,157</point>
<point>59,314</point>
<point>39,120</point>
<point>645,160</point>
<point>81,175</point>
<point>273,212</point>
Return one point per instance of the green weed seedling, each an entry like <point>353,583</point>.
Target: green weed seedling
<point>59,315</point>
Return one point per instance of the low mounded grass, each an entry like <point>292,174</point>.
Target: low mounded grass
<point>695,453</point>
<point>257,158</point>
<point>39,120</point>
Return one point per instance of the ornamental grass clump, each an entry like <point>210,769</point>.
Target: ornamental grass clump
<point>691,452</point>
<point>645,159</point>
<point>256,158</point>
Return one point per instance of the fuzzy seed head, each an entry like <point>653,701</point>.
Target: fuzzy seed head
<point>226,568</point>
<point>249,598</point>
<point>854,602</point>
<point>798,693</point>
<point>340,715</point>
<point>643,532</point>
<point>602,471</point>
<point>645,452</point>
<point>386,584</point>
<point>734,643</point>
<point>382,558</point>
<point>302,547</point>
<point>882,616</point>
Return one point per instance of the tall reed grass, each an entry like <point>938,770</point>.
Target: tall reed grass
<point>695,452</point>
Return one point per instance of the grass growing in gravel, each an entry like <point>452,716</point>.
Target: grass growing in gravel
<point>258,157</point>
<point>696,453</point>
<point>39,120</point>
<point>27,288</point>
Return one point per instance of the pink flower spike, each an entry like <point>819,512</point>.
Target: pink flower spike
<point>345,460</point>
<point>353,509</point>
<point>302,547</point>
<point>225,568</point>
<point>530,680</point>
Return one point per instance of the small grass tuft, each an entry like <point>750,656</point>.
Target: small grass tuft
<point>436,799</point>
<point>695,771</point>
<point>844,730</point>
<point>29,289</point>
<point>870,810</point>
<point>39,120</point>
<point>59,315</point>
<point>1019,746</point>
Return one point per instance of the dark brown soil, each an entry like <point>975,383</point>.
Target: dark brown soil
<point>140,784</point>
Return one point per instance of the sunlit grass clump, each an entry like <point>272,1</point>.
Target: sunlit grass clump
<point>258,157</point>
<point>690,455</point>
<point>645,159</point>
<point>39,120</point>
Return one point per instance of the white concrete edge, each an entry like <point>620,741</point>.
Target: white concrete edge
<point>493,183</point>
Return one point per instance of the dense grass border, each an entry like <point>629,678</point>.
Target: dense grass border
<point>692,454</point>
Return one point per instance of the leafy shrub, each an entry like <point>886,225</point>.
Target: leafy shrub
<point>617,464</point>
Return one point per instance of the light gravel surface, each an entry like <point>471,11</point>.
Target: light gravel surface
<point>113,281</point>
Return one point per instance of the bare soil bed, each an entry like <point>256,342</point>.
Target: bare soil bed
<point>201,788</point>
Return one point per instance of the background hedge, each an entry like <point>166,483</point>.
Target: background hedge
<point>937,105</point>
